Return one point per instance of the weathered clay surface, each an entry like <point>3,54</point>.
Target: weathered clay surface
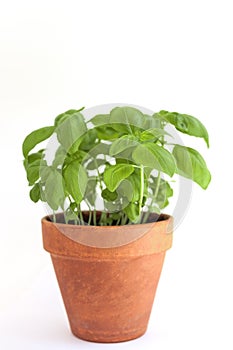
<point>108,292</point>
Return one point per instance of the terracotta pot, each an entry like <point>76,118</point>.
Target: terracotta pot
<point>108,292</point>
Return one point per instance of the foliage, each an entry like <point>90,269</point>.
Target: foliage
<point>123,157</point>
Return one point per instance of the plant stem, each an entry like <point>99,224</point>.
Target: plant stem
<point>141,190</point>
<point>54,216</point>
<point>125,219</point>
<point>89,217</point>
<point>94,217</point>
<point>157,187</point>
<point>102,220</point>
<point>65,217</point>
<point>90,213</point>
<point>118,221</point>
<point>81,214</point>
<point>153,198</point>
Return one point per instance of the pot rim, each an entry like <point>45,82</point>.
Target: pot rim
<point>68,239</point>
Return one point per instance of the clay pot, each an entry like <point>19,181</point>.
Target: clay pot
<point>108,292</point>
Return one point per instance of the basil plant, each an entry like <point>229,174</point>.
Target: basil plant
<point>125,159</point>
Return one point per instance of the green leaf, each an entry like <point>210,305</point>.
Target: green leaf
<point>126,119</point>
<point>186,124</point>
<point>109,196</point>
<point>54,189</point>
<point>114,174</point>
<point>79,156</point>
<point>33,170</point>
<point>45,172</point>
<point>100,148</point>
<point>36,137</point>
<point>95,164</point>
<point>100,119</point>
<point>151,122</point>
<point>113,207</point>
<point>122,144</point>
<point>91,194</point>
<point>132,211</point>
<point>70,214</point>
<point>59,157</point>
<point>120,160</point>
<point>76,180</point>
<point>164,192</point>
<point>103,127</point>
<point>70,131</point>
<point>107,133</point>
<point>88,140</point>
<point>155,157</point>
<point>191,165</point>
<point>134,184</point>
<point>35,193</point>
<point>126,189</point>
<point>125,156</point>
<point>63,116</point>
<point>153,133</point>
<point>32,157</point>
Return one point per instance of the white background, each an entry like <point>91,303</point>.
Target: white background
<point>174,55</point>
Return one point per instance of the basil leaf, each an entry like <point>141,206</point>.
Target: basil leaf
<point>36,137</point>
<point>107,133</point>
<point>59,157</point>
<point>123,143</point>
<point>126,119</point>
<point>191,165</point>
<point>186,124</point>
<point>130,187</point>
<point>126,190</point>
<point>151,122</point>
<point>88,140</point>
<point>132,211</point>
<point>35,193</point>
<point>100,148</point>
<point>54,189</point>
<point>76,179</point>
<point>164,192</point>
<point>63,116</point>
<point>114,174</point>
<point>69,132</point>
<point>32,157</point>
<point>95,164</point>
<point>109,196</point>
<point>100,119</point>
<point>153,133</point>
<point>155,157</point>
<point>33,170</point>
<point>90,194</point>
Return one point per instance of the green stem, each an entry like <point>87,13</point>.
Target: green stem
<point>146,216</point>
<point>157,187</point>
<point>90,213</point>
<point>89,218</point>
<point>94,217</point>
<point>102,220</point>
<point>65,217</point>
<point>141,190</point>
<point>81,214</point>
<point>118,221</point>
<point>54,216</point>
<point>124,219</point>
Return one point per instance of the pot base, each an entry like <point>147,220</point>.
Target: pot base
<point>108,338</point>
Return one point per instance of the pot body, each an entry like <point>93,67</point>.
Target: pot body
<point>108,292</point>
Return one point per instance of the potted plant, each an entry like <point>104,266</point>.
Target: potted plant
<point>108,259</point>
